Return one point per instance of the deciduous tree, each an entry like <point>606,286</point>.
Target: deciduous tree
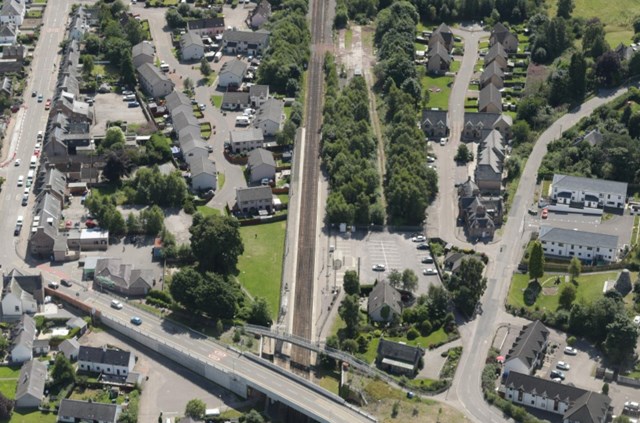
<point>575,267</point>
<point>567,296</point>
<point>216,242</point>
<point>195,409</point>
<point>351,283</point>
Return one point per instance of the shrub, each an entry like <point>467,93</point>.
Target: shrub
<point>412,334</point>
<point>426,328</point>
<point>571,341</point>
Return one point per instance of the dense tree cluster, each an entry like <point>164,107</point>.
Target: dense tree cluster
<point>498,10</point>
<point>152,187</point>
<point>216,242</point>
<point>177,17</point>
<point>288,54</point>
<point>467,285</point>
<point>348,152</point>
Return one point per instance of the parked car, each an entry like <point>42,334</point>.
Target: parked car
<point>557,374</point>
<point>25,199</point>
<point>563,366</point>
<point>545,213</point>
<point>570,351</point>
<point>427,260</point>
<point>379,267</point>
<point>40,98</point>
<point>136,320</point>
<point>133,104</point>
<point>17,162</point>
<point>443,141</point>
<point>54,285</point>
<point>431,159</point>
<point>90,223</point>
<point>65,282</point>
<point>533,211</point>
<point>419,238</point>
<point>34,93</point>
<point>202,107</point>
<point>429,271</point>
<point>423,246</point>
<point>127,92</point>
<point>116,304</point>
<point>47,105</point>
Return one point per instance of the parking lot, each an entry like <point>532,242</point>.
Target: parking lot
<point>110,108</point>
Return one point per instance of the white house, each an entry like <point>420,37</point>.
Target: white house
<point>203,174</point>
<point>594,193</point>
<point>23,337</point>
<point>88,411</point>
<point>153,81</point>
<point>270,117</point>
<point>191,47</point>
<point>243,141</point>
<point>105,360</point>
<point>253,199</point>
<point>575,405</point>
<point>528,350</point>
<point>232,73</point>
<point>21,294</point>
<point>258,94</point>
<point>261,165</point>
<point>568,243</point>
<point>8,34</point>
<point>245,42</point>
<point>70,348</point>
<point>30,388</point>
<point>13,12</point>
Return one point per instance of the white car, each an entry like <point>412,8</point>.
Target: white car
<point>443,141</point>
<point>379,267</point>
<point>419,238</point>
<point>563,366</point>
<point>570,351</point>
<point>429,271</point>
<point>116,304</point>
<point>17,162</point>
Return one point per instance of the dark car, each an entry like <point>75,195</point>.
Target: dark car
<point>423,246</point>
<point>17,230</point>
<point>65,282</point>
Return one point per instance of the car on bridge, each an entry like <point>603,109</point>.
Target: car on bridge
<point>136,320</point>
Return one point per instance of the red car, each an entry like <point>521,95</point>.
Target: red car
<point>545,213</point>
<point>90,223</point>
<point>47,105</point>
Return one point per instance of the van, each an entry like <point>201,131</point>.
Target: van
<point>217,57</point>
<point>212,412</point>
<point>33,162</point>
<point>20,180</point>
<point>30,176</point>
<point>164,67</point>
<point>242,121</point>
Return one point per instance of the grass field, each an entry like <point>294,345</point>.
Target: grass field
<point>348,39</point>
<point>8,387</point>
<point>24,416</point>
<point>329,380</point>
<point>208,211</point>
<point>260,267</point>
<point>216,100</point>
<point>455,66</point>
<point>589,288</point>
<point>436,337</point>
<point>9,372</point>
<point>439,88</point>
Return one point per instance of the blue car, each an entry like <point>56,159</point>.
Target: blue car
<point>136,320</point>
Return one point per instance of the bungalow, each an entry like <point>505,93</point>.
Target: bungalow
<point>588,192</point>
<point>439,60</point>
<point>258,94</point>
<point>492,74</point>
<point>21,294</point>
<point>154,82</point>
<point>400,358</point>
<point>105,360</point>
<point>142,53</point>
<point>111,274</point>
<point>253,199</point>
<point>270,117</point>
<point>88,411</point>
<point>497,54</point>
<point>528,350</point>
<point>434,123</point>
<point>588,246</point>
<point>232,73</point>
<point>245,42</point>
<point>30,388</point>
<point>206,27</point>
<point>204,175</point>
<point>500,34</point>
<point>384,302</point>
<point>572,403</point>
<point>259,15</point>
<point>191,47</point>
<point>261,165</point>
<point>244,141</point>
<point>490,99</point>
<point>70,348</point>
<point>23,336</point>
<point>88,239</point>
<point>235,100</point>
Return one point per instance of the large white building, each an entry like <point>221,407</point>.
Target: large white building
<point>594,193</point>
<point>569,243</point>
<point>105,360</point>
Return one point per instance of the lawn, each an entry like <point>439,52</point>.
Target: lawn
<point>436,337</point>
<point>260,266</point>
<point>348,38</point>
<point>34,14</point>
<point>8,387</point>
<point>439,88</point>
<point>146,30</point>
<point>24,416</point>
<point>208,211</point>
<point>544,192</point>
<point>287,111</point>
<point>589,288</point>
<point>220,180</point>
<point>205,130</point>
<point>284,198</point>
<point>9,372</point>
<point>634,234</point>
<point>419,47</point>
<point>329,380</point>
<point>40,1</point>
<point>455,66</point>
<point>216,100</point>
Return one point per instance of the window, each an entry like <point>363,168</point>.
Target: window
<point>589,248</point>
<point>17,308</point>
<point>520,394</point>
<point>560,244</point>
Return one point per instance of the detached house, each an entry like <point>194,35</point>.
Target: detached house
<point>244,141</point>
<point>111,274</point>
<point>105,360</point>
<point>235,100</point>
<point>206,26</point>
<point>481,215</point>
<point>270,117</point>
<point>438,59</point>
<point>30,389</point>
<point>254,199</point>
<point>245,42</point>
<point>154,82</point>
<point>528,350</point>
<point>232,73</point>
<point>259,15</point>
<point>21,294</point>
<point>588,192</point>
<point>142,53</point>
<point>24,335</point>
<point>500,34</point>
<point>203,174</point>
<point>398,358</point>
<point>434,123</point>
<point>191,47</point>
<point>587,246</point>
<point>261,165</point>
<point>13,12</point>
<point>88,411</point>
<point>384,302</point>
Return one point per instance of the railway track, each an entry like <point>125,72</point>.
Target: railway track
<point>304,289</point>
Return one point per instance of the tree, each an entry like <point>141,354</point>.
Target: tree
<point>521,132</point>
<point>351,283</point>
<point>91,43</point>
<point>409,280</point>
<point>259,313</point>
<point>467,285</point>
<point>349,310</point>
<point>195,409</point>
<point>575,267</point>
<point>187,83</point>
<point>158,149</point>
<point>536,261</point>
<point>216,242</point>
<point>395,278</point>
<point>63,372</point>
<point>593,39</point>
<point>87,64</point>
<point>565,7</point>
<point>127,70</point>
<point>205,67</point>
<point>608,69</point>
<point>567,296</point>
<point>605,388</point>
<point>6,407</point>
<point>117,164</point>
<point>174,19</point>
<point>622,419</point>
<point>185,285</point>
<point>152,220</point>
<point>622,335</point>
<point>463,155</point>
<point>133,224</point>
<point>577,77</point>
<point>113,140</point>
<point>253,417</point>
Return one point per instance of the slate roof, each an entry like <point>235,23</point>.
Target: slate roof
<point>259,91</point>
<point>235,97</point>
<point>260,156</point>
<point>175,99</point>
<point>500,32</point>
<point>435,39</point>
<point>191,38</point>
<point>529,343</point>
<point>151,74</point>
<point>579,183</point>
<point>439,50</point>
<point>263,9</point>
<point>434,117</point>
<point>202,165</point>
<point>489,71</point>
<point>88,411</point>
<point>21,284</point>
<point>7,30</point>
<point>468,189</point>
<point>69,346</point>
<point>104,355</point>
<point>249,135</point>
<point>55,181</point>
<point>253,193</point>
<point>490,95</point>
<point>591,407</point>
<point>383,293</point>
<point>188,144</point>
<point>586,239</point>
<point>445,32</point>
<point>399,352</point>
<point>249,37</point>
<point>183,119</point>
<point>272,110</point>
<point>144,48</point>
<point>594,137</point>
<point>26,332</point>
<point>205,23</point>
<point>123,274</point>
<point>235,67</point>
<point>12,8</point>
<point>189,133</point>
<point>33,376</point>
<point>496,50</point>
<point>76,322</point>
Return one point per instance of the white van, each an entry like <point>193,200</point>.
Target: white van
<point>242,121</point>
<point>20,180</point>
<point>217,56</point>
<point>164,67</point>
<point>33,162</point>
<point>30,176</point>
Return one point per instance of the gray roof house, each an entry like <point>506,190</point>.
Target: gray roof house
<point>258,94</point>
<point>383,297</point>
<point>106,360</point>
<point>23,336</point>
<point>55,183</point>
<point>232,73</point>
<point>447,35</point>
<point>477,125</point>
<point>254,199</point>
<point>572,403</point>
<point>193,149</point>
<point>438,59</point>
<point>184,119</point>
<point>206,26</point>
<point>501,34</point>
<point>270,117</point>
<point>21,294</point>
<point>204,175</point>
<point>259,15</point>
<point>593,137</point>
<point>235,100</point>
<point>490,162</point>
<point>70,348</point>
<point>46,240</point>
<point>153,81</point>
<point>8,34</point>
<point>497,54</point>
<point>261,165</point>
<point>399,358</point>
<point>176,99</point>
<point>492,74</point>
<point>588,192</point>
<point>12,12</point>
<point>112,274</point>
<point>490,99</point>
<point>528,350</point>
<point>587,246</point>
<point>86,411</point>
<point>245,42</point>
<point>188,134</point>
<point>191,46</point>
<point>243,141</point>
<point>33,376</point>
<point>434,123</point>
<point>142,53</point>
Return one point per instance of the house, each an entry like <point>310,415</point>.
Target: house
<point>270,117</point>
<point>30,389</point>
<point>41,347</point>
<point>434,123</point>
<point>88,411</point>
<point>625,52</point>
<point>490,163</point>
<point>258,94</point>
<point>490,99</point>
<point>588,192</point>
<point>259,15</point>
<point>500,34</point>
<point>492,74</point>
<point>142,53</point>
<point>55,183</point>
<point>261,165</point>
<point>23,336</point>
<point>111,274</point>
<point>384,302</point>
<point>481,215</point>
<point>253,199</point>
<point>77,323</point>
<point>190,133</point>
<point>154,82</point>
<point>235,100</point>
<point>7,86</point>
<point>587,246</point>
<point>454,259</point>
<point>497,54</point>
<point>21,294</point>
<point>232,73</point>
<point>244,141</point>
<point>18,52</point>
<point>44,238</point>
<point>399,358</point>
<point>447,35</point>
<point>206,27</point>
<point>593,138</point>
<point>193,149</point>
<point>245,42</point>
<point>175,100</point>
<point>87,239</point>
<point>435,39</point>
<point>12,12</point>
<point>528,350</point>
<point>184,119</point>
<point>8,34</point>
<point>477,125</point>
<point>438,59</point>
<point>203,174</point>
<point>79,25</point>
<point>70,348</point>
<point>191,47</point>
<point>574,404</point>
<point>105,360</point>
